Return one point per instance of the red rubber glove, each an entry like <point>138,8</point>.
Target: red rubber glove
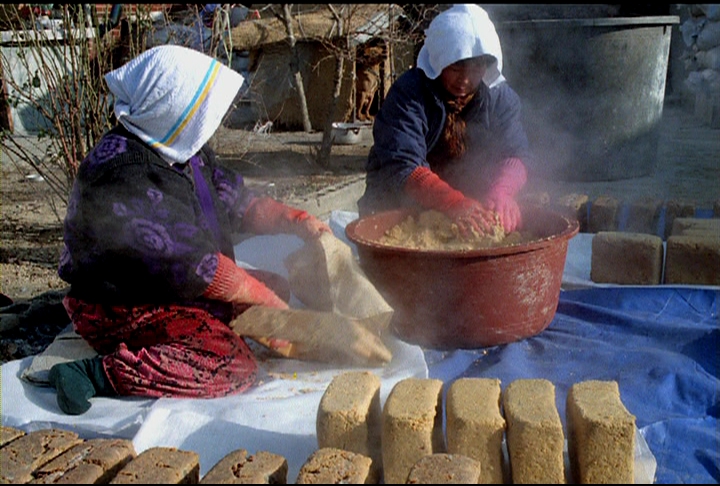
<point>266,216</point>
<point>501,196</point>
<point>430,191</point>
<point>233,284</point>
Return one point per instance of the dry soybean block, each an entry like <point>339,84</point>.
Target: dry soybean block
<point>603,214</point>
<point>443,468</point>
<point>335,466</point>
<point>676,209</point>
<point>349,416</point>
<point>696,227</point>
<point>535,439</point>
<point>601,434</point>
<point>94,461</point>
<point>9,434</point>
<point>643,216</point>
<point>237,467</point>
<point>475,426</point>
<point>21,457</point>
<point>161,465</point>
<point>693,260</point>
<point>626,258</point>
<point>411,426</point>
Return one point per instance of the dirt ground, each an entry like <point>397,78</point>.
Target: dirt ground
<point>279,164</point>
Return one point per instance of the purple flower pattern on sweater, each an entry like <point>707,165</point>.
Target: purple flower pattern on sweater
<point>208,266</point>
<point>151,236</point>
<point>119,209</point>
<point>109,146</point>
<point>138,230</point>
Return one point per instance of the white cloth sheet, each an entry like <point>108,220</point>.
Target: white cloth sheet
<point>277,415</point>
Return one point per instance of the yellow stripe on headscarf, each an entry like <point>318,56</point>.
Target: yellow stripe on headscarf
<point>194,105</point>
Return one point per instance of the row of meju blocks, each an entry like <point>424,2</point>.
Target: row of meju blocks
<point>57,456</point>
<point>358,442</point>
<point>691,255</point>
<point>606,213</point>
<point>407,442</point>
<point>632,253</point>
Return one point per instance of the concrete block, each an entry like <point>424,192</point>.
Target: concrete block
<point>603,214</point>
<point>707,109</point>
<point>626,258</point>
<point>713,115</point>
<point>693,260</point>
<point>676,209</point>
<point>643,216</point>
<point>687,100</point>
<point>701,106</point>
<point>696,227</point>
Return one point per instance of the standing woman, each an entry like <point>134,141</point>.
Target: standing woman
<point>148,250</point>
<point>449,137</point>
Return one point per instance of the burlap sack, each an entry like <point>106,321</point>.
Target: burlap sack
<point>325,275</point>
<point>318,336</point>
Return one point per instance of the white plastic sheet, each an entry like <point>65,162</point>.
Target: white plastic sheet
<point>278,415</point>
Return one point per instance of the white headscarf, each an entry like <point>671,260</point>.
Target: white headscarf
<point>461,32</point>
<point>173,98</point>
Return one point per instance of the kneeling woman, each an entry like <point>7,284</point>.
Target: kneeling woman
<point>148,249</point>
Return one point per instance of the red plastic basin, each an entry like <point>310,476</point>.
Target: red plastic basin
<point>467,299</point>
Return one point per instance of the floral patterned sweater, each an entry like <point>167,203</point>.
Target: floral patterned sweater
<point>141,231</point>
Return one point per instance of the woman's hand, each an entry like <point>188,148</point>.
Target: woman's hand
<point>308,226</point>
<point>501,197</point>
<point>471,217</point>
<point>430,191</point>
<point>506,208</point>
<point>236,285</point>
<point>280,346</point>
<point>266,216</point>
<point>251,291</point>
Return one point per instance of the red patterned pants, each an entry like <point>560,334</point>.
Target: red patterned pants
<point>165,351</point>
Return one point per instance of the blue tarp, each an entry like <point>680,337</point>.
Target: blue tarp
<point>662,346</point>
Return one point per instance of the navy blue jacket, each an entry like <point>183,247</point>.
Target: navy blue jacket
<point>410,123</point>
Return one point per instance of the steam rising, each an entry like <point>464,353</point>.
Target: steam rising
<point>592,93</point>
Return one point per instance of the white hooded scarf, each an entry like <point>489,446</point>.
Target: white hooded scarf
<point>461,32</point>
<point>173,98</point>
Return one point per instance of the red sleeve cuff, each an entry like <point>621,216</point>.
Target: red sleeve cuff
<point>426,187</point>
<point>226,282</point>
<point>266,216</point>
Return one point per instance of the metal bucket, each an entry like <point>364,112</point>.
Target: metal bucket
<point>348,133</point>
<point>592,92</point>
<point>467,299</point>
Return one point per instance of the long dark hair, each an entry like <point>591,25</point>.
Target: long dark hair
<point>452,143</point>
